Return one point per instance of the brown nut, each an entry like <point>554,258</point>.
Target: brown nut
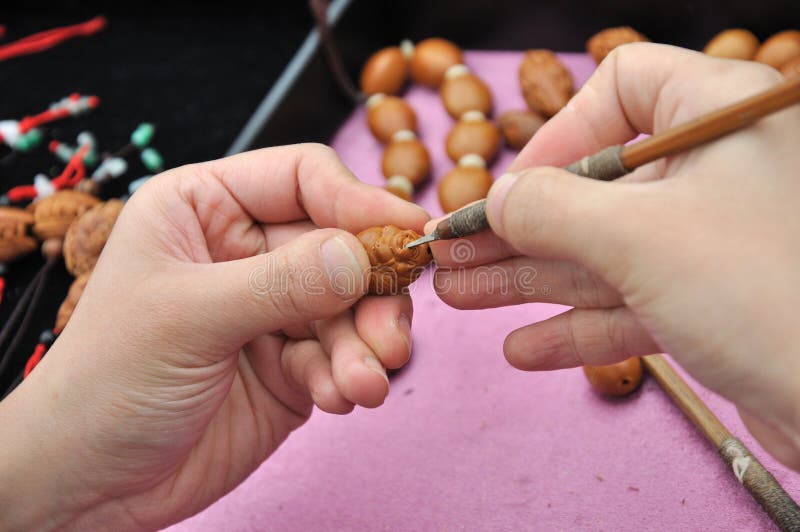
<point>400,186</point>
<point>473,134</point>
<point>546,83</point>
<point>601,43</point>
<point>615,380</point>
<point>406,156</point>
<point>14,239</point>
<point>385,71</point>
<point>386,115</point>
<point>431,59</point>
<point>733,44</point>
<point>779,49</point>
<point>88,234</point>
<point>462,91</point>
<point>53,215</point>
<point>791,68</point>
<point>518,127</point>
<point>468,182</point>
<point>69,303</point>
<point>393,265</point>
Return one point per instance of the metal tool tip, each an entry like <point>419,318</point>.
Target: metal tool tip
<point>422,240</point>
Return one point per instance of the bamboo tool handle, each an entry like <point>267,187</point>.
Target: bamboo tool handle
<point>783,511</point>
<point>617,161</point>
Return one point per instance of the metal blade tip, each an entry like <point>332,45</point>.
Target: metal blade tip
<point>422,240</point>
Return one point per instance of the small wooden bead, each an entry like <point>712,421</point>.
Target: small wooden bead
<point>545,82</point>
<point>615,380</point>
<point>385,71</point>
<point>400,186</point>
<point>518,127</point>
<point>462,91</point>
<point>51,248</point>
<point>791,68</point>
<point>733,44</point>
<point>431,59</point>
<point>601,43</point>
<point>386,115</point>
<point>779,49</point>
<point>406,156</point>
<point>473,134</point>
<point>468,182</point>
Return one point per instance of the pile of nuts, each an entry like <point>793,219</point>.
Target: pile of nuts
<point>781,51</point>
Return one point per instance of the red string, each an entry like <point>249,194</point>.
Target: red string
<point>30,122</point>
<point>34,359</point>
<point>41,41</point>
<point>22,193</point>
<point>74,171</point>
<point>2,31</point>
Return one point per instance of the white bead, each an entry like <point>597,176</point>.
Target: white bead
<point>407,48</point>
<point>404,135</point>
<point>375,99</point>
<point>44,187</point>
<point>473,116</point>
<point>400,182</point>
<point>472,160</point>
<point>10,131</point>
<point>456,71</point>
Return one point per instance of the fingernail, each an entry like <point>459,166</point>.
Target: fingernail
<point>497,197</point>
<point>373,365</point>
<point>404,325</point>
<point>341,264</point>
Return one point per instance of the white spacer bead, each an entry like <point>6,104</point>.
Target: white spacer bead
<point>472,160</point>
<point>456,71</point>
<point>407,48</point>
<point>375,99</point>
<point>401,182</point>
<point>404,135</point>
<point>473,116</point>
<point>44,187</point>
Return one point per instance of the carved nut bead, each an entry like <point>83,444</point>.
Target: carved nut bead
<point>53,215</point>
<point>601,43</point>
<point>546,83</point>
<point>386,115</point>
<point>431,59</point>
<point>406,156</point>
<point>14,239</point>
<point>473,134</point>
<point>779,49</point>
<point>385,71</point>
<point>733,44</point>
<point>468,182</point>
<point>393,265</point>
<point>88,234</point>
<point>518,127</point>
<point>615,380</point>
<point>461,91</point>
<point>69,303</point>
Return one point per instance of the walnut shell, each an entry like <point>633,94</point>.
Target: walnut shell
<point>601,43</point>
<point>779,49</point>
<point>470,135</point>
<point>14,239</point>
<point>464,92</point>
<point>518,127</point>
<point>545,81</point>
<point>386,115</point>
<point>69,303</point>
<point>53,215</point>
<point>791,68</point>
<point>393,265</point>
<point>88,234</point>
<point>431,59</point>
<point>406,157</point>
<point>733,44</point>
<point>462,185</point>
<point>617,379</point>
<point>385,71</point>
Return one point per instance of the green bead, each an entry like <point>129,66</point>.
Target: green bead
<point>29,140</point>
<point>90,159</point>
<point>152,160</point>
<point>143,134</point>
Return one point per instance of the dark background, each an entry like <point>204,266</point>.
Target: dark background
<point>198,72</point>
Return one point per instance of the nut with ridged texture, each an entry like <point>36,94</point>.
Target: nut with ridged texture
<point>615,380</point>
<point>88,234</point>
<point>385,71</point>
<point>393,266</point>
<point>468,182</point>
<point>602,42</point>
<point>406,156</point>
<point>462,91</point>
<point>518,127</point>
<point>386,115</point>
<point>15,241</point>
<point>545,81</point>
<point>68,305</point>
<point>779,49</point>
<point>735,43</point>
<point>431,59</point>
<point>53,215</point>
<point>473,134</point>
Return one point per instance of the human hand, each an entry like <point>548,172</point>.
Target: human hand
<point>217,315</point>
<point>695,254</point>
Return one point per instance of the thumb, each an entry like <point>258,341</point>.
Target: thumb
<point>317,275</point>
<point>551,213</point>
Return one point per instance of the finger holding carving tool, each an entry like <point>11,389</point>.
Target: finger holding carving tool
<point>691,252</point>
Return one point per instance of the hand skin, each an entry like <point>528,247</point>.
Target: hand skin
<point>696,255</point>
<point>179,373</point>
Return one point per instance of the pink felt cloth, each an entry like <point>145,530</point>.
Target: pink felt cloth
<point>465,442</point>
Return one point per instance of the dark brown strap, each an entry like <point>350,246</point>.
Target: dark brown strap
<point>319,9</point>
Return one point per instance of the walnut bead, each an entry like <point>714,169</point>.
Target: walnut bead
<point>386,115</point>
<point>779,49</point>
<point>87,236</point>
<point>461,91</point>
<point>601,43</point>
<point>791,68</point>
<point>14,238</point>
<point>615,380</point>
<point>545,81</point>
<point>69,303</point>
<point>463,185</point>
<point>53,215</point>
<point>393,265</point>
<point>385,71</point>
<point>473,134</point>
<point>406,156</point>
<point>431,59</point>
<point>518,127</point>
<point>733,44</point>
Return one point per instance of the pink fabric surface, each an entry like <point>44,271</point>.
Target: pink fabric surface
<point>465,442</point>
